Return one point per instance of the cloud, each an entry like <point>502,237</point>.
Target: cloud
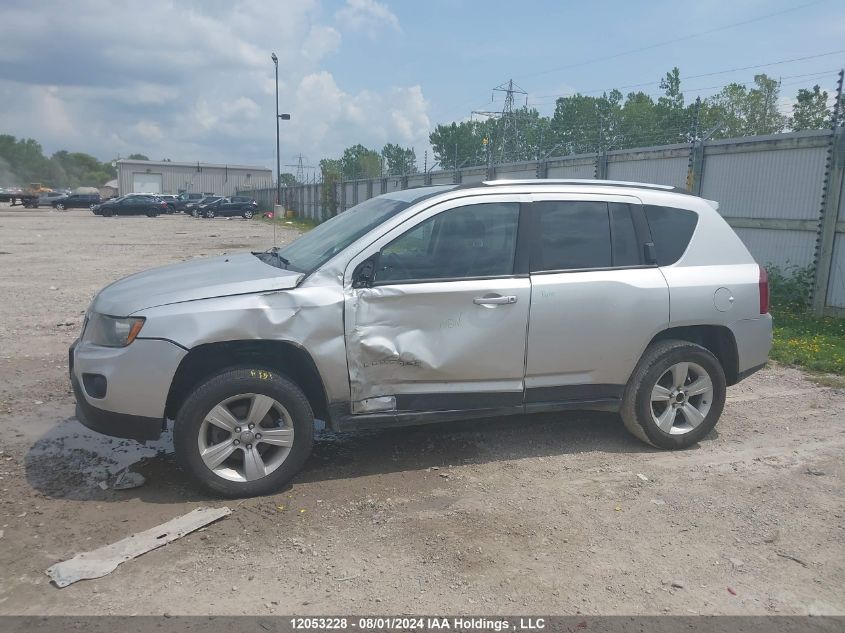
<point>321,41</point>
<point>336,119</point>
<point>368,16</point>
<point>194,81</point>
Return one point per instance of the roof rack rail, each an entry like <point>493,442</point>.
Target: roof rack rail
<point>583,181</point>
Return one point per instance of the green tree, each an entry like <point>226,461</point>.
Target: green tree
<point>583,124</point>
<point>672,120</point>
<point>287,179</point>
<point>330,170</point>
<point>81,169</point>
<point>359,162</point>
<point>22,161</point>
<point>639,121</point>
<point>809,112</point>
<point>747,112</point>
<point>461,143</point>
<point>137,157</point>
<point>527,136</point>
<point>399,160</point>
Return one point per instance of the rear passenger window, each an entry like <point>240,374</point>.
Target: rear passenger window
<point>671,230</point>
<point>572,235</point>
<point>626,251</point>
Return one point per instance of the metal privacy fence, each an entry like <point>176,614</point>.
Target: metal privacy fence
<point>781,193</point>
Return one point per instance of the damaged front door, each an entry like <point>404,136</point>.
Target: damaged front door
<point>439,315</point>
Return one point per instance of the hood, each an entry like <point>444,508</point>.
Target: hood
<point>206,278</point>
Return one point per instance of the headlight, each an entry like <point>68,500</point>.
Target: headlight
<point>111,331</point>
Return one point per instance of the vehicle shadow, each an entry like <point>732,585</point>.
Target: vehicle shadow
<point>69,461</point>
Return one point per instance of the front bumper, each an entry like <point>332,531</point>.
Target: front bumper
<point>137,379</point>
<point>133,427</point>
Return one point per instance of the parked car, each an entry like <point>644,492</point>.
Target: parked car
<point>234,206</point>
<point>202,206</point>
<point>187,201</point>
<point>170,200</point>
<point>132,204</point>
<point>76,201</point>
<point>47,198</point>
<point>432,305</point>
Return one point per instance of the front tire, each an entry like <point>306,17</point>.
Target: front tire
<point>247,215</point>
<point>244,432</point>
<point>60,207</point>
<point>209,214</point>
<point>675,396</point>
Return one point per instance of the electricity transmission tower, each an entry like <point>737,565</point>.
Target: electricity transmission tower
<point>508,121</point>
<point>507,128</point>
<point>300,168</point>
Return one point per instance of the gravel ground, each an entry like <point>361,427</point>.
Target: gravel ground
<point>553,514</point>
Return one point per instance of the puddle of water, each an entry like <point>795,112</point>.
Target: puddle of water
<point>71,456</point>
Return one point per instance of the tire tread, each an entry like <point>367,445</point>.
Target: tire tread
<point>654,354</point>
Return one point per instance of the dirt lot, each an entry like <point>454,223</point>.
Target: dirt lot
<point>546,514</point>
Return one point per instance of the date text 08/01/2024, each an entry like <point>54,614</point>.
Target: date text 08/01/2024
<point>421,623</point>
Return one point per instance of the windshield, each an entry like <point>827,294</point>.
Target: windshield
<point>316,247</point>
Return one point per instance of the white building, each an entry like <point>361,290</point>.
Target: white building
<point>152,176</point>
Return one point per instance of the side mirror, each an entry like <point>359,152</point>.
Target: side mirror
<point>364,273</point>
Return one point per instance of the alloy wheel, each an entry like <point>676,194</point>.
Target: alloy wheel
<point>681,398</point>
<point>245,437</point>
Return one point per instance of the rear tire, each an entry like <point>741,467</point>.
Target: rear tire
<point>60,207</point>
<point>237,390</point>
<point>152,213</point>
<point>675,395</point>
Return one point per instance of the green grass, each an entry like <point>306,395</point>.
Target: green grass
<point>299,224</point>
<point>814,343</point>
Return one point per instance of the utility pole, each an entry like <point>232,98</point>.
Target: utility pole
<point>284,117</point>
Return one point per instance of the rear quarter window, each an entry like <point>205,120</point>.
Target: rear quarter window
<point>671,230</point>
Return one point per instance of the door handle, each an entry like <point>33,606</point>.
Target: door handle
<point>494,300</point>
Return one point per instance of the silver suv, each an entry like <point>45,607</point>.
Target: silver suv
<point>431,305</point>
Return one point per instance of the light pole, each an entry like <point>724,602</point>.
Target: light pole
<point>284,117</point>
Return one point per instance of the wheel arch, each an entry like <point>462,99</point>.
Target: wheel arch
<point>718,339</point>
<point>284,357</point>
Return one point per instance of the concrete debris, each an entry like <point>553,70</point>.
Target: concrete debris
<point>127,480</point>
<point>642,477</point>
<point>124,480</point>
<point>103,561</point>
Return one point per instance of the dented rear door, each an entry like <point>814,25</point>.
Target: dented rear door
<point>443,326</point>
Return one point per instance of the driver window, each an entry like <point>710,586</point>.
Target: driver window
<point>477,240</point>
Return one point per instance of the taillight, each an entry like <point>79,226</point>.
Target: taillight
<point>763,286</point>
